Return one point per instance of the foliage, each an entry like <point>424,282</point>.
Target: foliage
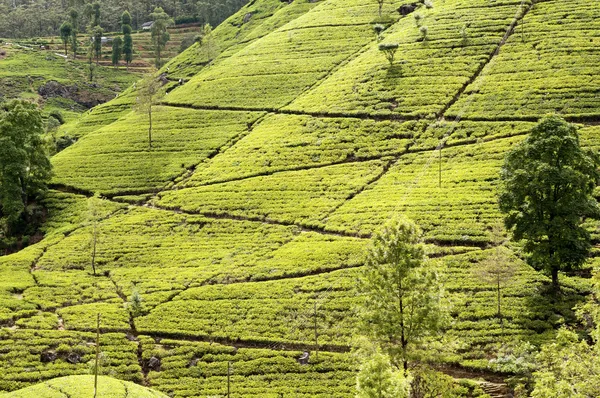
<point>548,181</point>
<point>66,31</point>
<point>135,303</point>
<point>74,19</point>
<point>498,269</point>
<point>127,40</point>
<point>25,19</point>
<point>147,91</point>
<point>378,378</point>
<point>389,50</point>
<point>117,50</point>
<point>402,296</point>
<point>93,219</point>
<point>160,34</point>
<point>378,29</point>
<point>568,367</point>
<point>24,167</point>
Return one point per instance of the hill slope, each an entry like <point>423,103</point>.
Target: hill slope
<point>271,167</point>
<point>83,386</point>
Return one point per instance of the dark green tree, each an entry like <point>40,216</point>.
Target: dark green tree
<point>127,40</point>
<point>117,49</point>
<point>546,194</point>
<point>95,16</point>
<point>24,166</point>
<point>97,33</point>
<point>389,50</point>
<point>159,32</point>
<point>74,18</point>
<point>66,29</point>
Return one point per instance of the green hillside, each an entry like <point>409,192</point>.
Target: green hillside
<point>55,83</point>
<point>289,142</point>
<point>83,386</point>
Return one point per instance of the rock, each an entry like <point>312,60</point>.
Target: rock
<point>48,356</point>
<point>163,79</point>
<point>406,9</point>
<point>154,364</point>
<point>55,89</point>
<point>303,360</point>
<point>247,17</point>
<point>73,358</point>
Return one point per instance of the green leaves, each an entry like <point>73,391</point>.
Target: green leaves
<point>401,294</point>
<point>24,164</point>
<point>548,182</point>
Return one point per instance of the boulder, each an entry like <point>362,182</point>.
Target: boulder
<point>48,356</point>
<point>406,9</point>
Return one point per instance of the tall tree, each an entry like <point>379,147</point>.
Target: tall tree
<point>117,49</point>
<point>66,29</point>
<point>159,32</point>
<point>497,269</point>
<point>24,164</point>
<point>94,215</point>
<point>147,91</point>
<point>127,40</point>
<point>547,186</point>
<point>74,18</point>
<point>97,33</point>
<point>402,297</point>
<point>95,16</point>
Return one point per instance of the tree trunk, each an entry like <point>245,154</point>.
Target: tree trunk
<point>94,238</point>
<point>150,126</point>
<point>403,341</point>
<point>555,284</point>
<point>499,313</point>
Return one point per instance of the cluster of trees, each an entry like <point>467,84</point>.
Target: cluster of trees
<point>121,47</point>
<point>24,171</point>
<point>40,18</point>
<point>547,186</point>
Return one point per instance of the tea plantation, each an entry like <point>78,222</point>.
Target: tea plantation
<point>287,142</point>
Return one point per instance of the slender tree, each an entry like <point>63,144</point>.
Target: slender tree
<point>402,297</point>
<point>147,92</point>
<point>389,50</point>
<point>117,49</point>
<point>547,192</point>
<point>94,214</point>
<point>74,18</point>
<point>159,32</point>
<point>97,33</point>
<point>127,40</point>
<point>95,16</point>
<point>380,4</point>
<point>497,269</point>
<point>66,30</point>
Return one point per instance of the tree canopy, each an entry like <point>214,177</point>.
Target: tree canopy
<point>402,297</point>
<point>546,194</point>
<point>159,32</point>
<point>24,165</point>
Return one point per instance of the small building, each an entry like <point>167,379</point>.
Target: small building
<point>147,25</point>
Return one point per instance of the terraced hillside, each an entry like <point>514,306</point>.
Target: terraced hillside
<point>55,83</point>
<point>143,57</point>
<point>289,143</point>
